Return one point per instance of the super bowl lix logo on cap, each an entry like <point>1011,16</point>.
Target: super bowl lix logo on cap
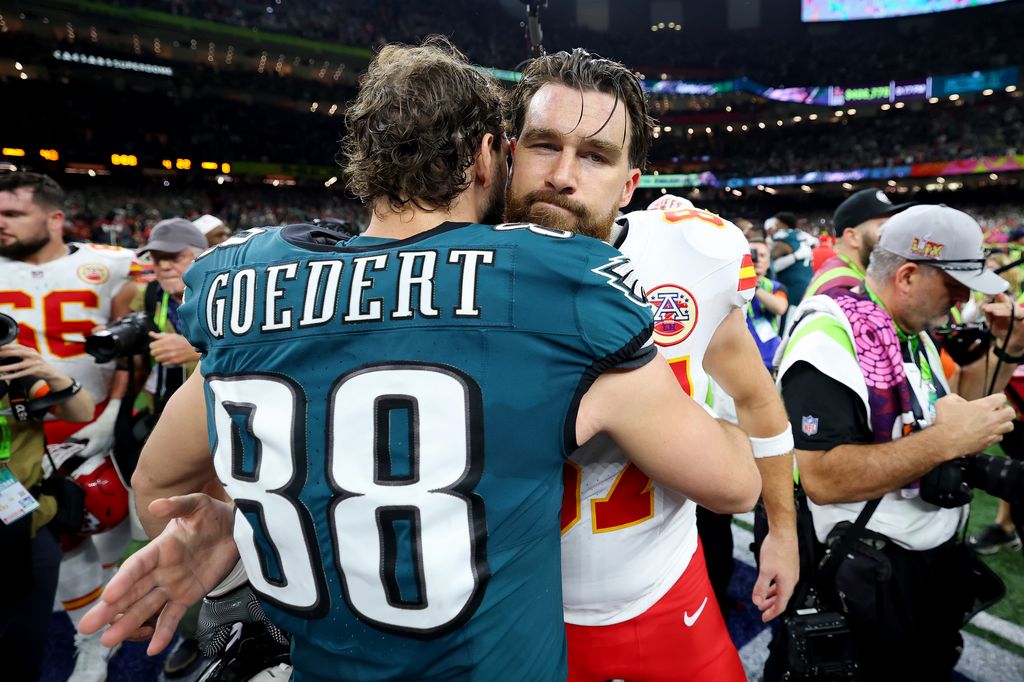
<point>675,313</point>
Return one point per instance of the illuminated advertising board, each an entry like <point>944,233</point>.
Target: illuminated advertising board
<point>851,10</point>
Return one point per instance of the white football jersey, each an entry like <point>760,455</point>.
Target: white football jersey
<point>58,303</point>
<point>626,541</point>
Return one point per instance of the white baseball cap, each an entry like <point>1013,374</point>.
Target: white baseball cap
<point>207,223</point>
<point>944,238</point>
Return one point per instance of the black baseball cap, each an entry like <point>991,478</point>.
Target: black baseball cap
<point>864,205</point>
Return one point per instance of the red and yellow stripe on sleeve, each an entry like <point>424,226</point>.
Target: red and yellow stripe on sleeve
<point>748,276</point>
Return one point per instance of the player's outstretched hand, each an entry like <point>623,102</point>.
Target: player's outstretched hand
<point>177,569</point>
<point>778,575</point>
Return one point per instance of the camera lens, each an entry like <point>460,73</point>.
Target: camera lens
<point>8,329</point>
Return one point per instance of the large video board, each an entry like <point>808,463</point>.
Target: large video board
<point>849,10</point>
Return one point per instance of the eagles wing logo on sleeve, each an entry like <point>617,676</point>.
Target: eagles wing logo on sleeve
<point>620,275</point>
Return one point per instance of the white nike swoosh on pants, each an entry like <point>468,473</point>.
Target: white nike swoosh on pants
<point>690,620</point>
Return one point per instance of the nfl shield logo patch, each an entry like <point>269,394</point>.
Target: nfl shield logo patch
<point>809,425</point>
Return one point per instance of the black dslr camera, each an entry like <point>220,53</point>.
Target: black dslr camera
<point>820,646</point>
<point>127,336</point>
<point>951,483</point>
<point>8,329</point>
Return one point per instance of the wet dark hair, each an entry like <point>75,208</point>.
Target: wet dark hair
<point>585,71</point>
<point>45,190</point>
<point>416,125</point>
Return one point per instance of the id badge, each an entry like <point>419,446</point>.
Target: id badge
<point>764,330</point>
<point>15,501</point>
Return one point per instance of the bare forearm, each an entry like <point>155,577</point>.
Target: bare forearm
<point>176,458</point>
<point>777,492</point>
<point>855,473</point>
<point>119,385</point>
<point>776,305</point>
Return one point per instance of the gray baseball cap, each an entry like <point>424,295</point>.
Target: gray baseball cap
<point>174,235</point>
<point>945,238</point>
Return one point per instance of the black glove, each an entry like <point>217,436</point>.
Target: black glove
<point>219,615</point>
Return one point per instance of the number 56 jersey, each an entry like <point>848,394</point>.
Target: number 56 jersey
<point>626,540</point>
<point>391,418</point>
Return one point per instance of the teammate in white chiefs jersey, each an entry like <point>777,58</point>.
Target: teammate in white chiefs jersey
<point>59,293</point>
<point>638,602</point>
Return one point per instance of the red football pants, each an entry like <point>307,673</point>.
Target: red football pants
<point>681,637</point>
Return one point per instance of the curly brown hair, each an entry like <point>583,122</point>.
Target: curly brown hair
<point>586,71</point>
<point>416,126</point>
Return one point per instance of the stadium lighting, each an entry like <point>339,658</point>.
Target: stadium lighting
<point>728,188</point>
<point>797,119</point>
<point>892,183</point>
<point>225,168</point>
<point>812,117</point>
<point>729,108</point>
<point>92,173</point>
<point>661,24</point>
<point>654,27</point>
<point>987,91</point>
<point>744,127</point>
<point>900,105</point>
<point>839,113</point>
<point>166,163</point>
<point>847,185</point>
<point>1011,88</point>
<point>954,97</point>
<point>851,112</point>
<point>993,176</point>
<point>679,27</point>
<point>806,188</point>
<point>49,154</point>
<point>664,191</point>
<point>940,180</point>
<point>886,106</point>
<point>933,100</point>
<point>13,151</point>
<point>761,187</point>
<point>24,76</point>
<point>728,128</point>
<point>737,192</point>
<point>668,129</point>
<point>689,131</point>
<point>761,125</point>
<point>313,106</point>
<point>771,190</point>
<point>209,165</point>
<point>707,130</point>
<point>183,164</point>
<point>779,122</point>
<point>18,66</point>
<point>220,179</point>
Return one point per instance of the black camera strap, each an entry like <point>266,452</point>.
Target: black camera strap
<point>833,555</point>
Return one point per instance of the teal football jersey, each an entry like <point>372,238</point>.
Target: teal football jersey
<point>391,417</point>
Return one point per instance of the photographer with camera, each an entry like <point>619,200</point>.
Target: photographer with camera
<point>59,293</point>
<point>873,415</point>
<point>771,301</point>
<point>30,388</point>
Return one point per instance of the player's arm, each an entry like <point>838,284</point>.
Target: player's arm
<point>733,360</point>
<point>176,458</point>
<point>670,436</point>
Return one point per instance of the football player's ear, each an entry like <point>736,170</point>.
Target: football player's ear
<point>487,159</point>
<point>632,180</point>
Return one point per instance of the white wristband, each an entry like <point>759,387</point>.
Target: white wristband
<point>774,446</point>
<point>235,578</point>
